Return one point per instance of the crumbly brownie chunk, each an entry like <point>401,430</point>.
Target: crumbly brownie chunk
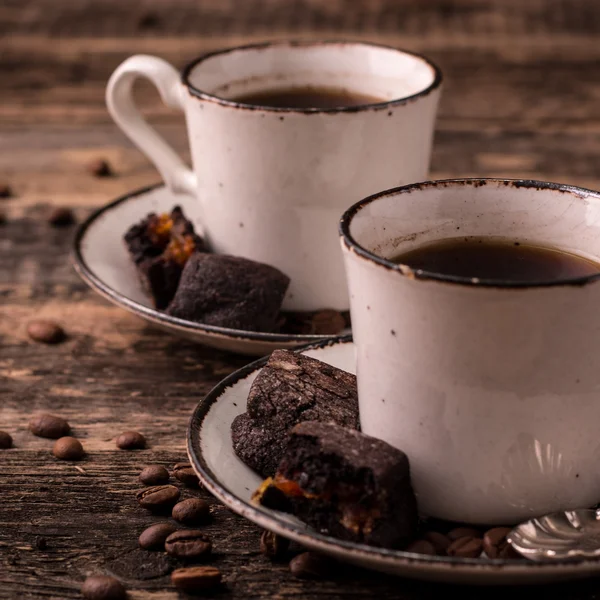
<point>160,246</point>
<point>290,388</point>
<point>229,291</point>
<point>345,483</point>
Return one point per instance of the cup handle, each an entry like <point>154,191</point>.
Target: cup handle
<point>119,99</point>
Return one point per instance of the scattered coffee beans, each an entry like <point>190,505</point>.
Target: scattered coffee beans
<point>154,475</point>
<point>154,537</point>
<point>273,546</point>
<point>465,547</point>
<point>439,540</point>
<point>193,511</point>
<point>422,547</point>
<point>45,331</point>
<point>102,587</point>
<point>158,497</point>
<point>68,448</point>
<point>327,322</point>
<point>192,579</point>
<point>184,473</point>
<point>5,191</point>
<point>495,544</point>
<point>188,544</point>
<point>5,440</point>
<point>61,217</point>
<point>49,426</point>
<point>131,440</point>
<point>100,168</point>
<point>309,565</point>
<point>461,532</point>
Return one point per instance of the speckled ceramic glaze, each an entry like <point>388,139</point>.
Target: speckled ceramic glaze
<point>272,182</point>
<point>492,389</point>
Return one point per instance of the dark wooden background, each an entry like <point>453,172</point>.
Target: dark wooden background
<point>522,99</point>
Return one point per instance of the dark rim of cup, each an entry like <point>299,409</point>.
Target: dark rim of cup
<point>418,274</point>
<point>185,78</point>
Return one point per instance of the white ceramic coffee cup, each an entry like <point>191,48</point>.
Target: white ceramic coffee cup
<point>272,182</point>
<point>491,389</point>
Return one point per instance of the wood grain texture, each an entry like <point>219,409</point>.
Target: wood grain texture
<point>521,99</point>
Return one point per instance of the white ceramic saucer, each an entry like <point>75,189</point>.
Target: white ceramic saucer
<point>228,479</point>
<point>101,259</point>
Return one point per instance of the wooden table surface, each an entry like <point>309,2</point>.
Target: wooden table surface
<point>522,99</point>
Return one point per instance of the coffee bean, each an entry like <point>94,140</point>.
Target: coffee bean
<point>131,440</point>
<point>45,331</point>
<point>184,473</point>
<point>3,219</point>
<point>154,475</point>
<point>188,544</point>
<point>68,448</point>
<point>102,587</point>
<point>193,511</point>
<point>327,322</point>
<point>100,168</point>
<point>6,191</point>
<point>439,540</point>
<point>465,547</point>
<point>158,497</point>
<point>495,544</point>
<point>41,543</point>
<point>273,546</point>
<point>460,532</point>
<point>196,578</point>
<point>154,537</point>
<point>309,565</point>
<point>49,426</point>
<point>5,440</point>
<point>61,217</point>
<point>421,547</point>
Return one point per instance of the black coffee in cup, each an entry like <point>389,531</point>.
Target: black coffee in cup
<point>307,97</point>
<point>497,260</point>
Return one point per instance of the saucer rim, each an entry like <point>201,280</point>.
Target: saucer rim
<point>273,521</point>
<point>96,283</point>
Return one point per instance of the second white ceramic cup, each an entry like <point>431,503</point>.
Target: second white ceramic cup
<point>272,182</point>
<point>491,388</point>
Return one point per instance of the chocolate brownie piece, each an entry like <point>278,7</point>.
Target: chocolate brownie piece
<point>289,389</point>
<point>347,484</point>
<point>229,291</point>
<point>160,245</point>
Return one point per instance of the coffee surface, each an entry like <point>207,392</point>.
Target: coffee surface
<point>307,97</point>
<point>497,259</point>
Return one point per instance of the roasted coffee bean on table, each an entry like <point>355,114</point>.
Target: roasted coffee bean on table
<point>61,217</point>
<point>154,475</point>
<point>158,498</point>
<point>439,541</point>
<point>6,440</point>
<point>102,587</point>
<point>68,448</point>
<point>131,440</point>
<point>193,511</point>
<point>495,544</point>
<point>188,544</point>
<point>186,474</point>
<point>193,579</point>
<point>6,191</point>
<point>310,565</point>
<point>421,547</point>
<point>100,167</point>
<point>466,547</point>
<point>273,546</point>
<point>45,331</point>
<point>49,426</point>
<point>154,537</point>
